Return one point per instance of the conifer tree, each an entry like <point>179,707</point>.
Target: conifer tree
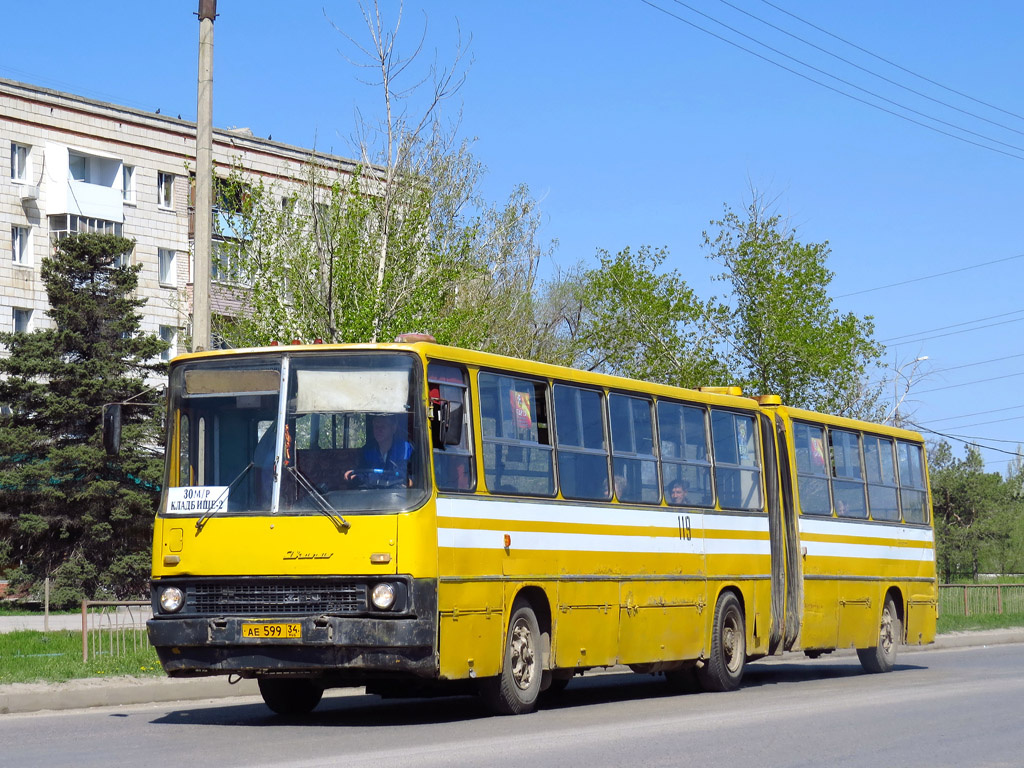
<point>67,510</point>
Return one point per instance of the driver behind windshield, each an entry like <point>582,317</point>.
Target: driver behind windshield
<point>385,458</point>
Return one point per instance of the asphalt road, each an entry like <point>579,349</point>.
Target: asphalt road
<point>952,707</point>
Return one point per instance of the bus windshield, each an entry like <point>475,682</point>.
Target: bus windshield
<point>352,438</point>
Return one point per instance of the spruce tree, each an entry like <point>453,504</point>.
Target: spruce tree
<point>67,510</point>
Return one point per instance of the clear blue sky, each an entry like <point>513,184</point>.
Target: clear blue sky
<point>634,127</point>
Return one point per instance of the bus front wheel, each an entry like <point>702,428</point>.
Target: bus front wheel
<point>290,696</point>
<point>723,669</point>
<point>882,658</point>
<point>515,690</point>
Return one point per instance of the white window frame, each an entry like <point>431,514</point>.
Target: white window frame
<point>26,314</point>
<point>166,259</point>
<point>169,334</point>
<point>165,190</point>
<point>21,170</point>
<point>21,245</point>
<point>128,183</point>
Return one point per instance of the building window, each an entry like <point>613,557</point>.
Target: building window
<point>22,320</point>
<point>169,335</point>
<point>165,189</point>
<point>21,250</point>
<point>165,261</point>
<point>19,162</point>
<point>64,224</point>
<point>128,183</point>
<point>78,167</point>
<point>124,260</point>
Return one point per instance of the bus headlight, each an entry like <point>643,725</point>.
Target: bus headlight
<point>171,599</point>
<point>383,596</point>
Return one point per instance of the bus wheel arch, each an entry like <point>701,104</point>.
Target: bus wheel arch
<point>515,690</point>
<point>882,656</point>
<point>722,670</point>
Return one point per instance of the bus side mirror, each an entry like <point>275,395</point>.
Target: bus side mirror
<point>112,428</point>
<point>449,417</point>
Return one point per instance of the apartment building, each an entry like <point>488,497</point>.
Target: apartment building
<point>79,165</point>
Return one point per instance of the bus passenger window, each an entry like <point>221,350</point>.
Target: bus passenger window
<point>454,466</point>
<point>880,466</point>
<point>913,494</point>
<point>847,474</point>
<point>737,466</point>
<point>685,463</point>
<point>633,449</point>
<point>514,428</point>
<point>582,447</point>
<point>811,469</point>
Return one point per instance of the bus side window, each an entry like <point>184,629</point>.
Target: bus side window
<point>454,465</point>
<point>517,453</point>
<point>685,459</point>
<point>913,496</point>
<point>881,473</point>
<point>633,449</point>
<point>847,474</point>
<point>582,444</point>
<point>737,465</point>
<point>811,469</point>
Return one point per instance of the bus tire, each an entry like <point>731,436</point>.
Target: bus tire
<point>723,669</point>
<point>882,658</point>
<point>289,695</point>
<point>515,690</point>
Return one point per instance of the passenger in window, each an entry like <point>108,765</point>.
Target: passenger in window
<point>385,458</point>
<point>676,493</point>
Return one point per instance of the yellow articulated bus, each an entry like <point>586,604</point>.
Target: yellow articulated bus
<point>415,518</point>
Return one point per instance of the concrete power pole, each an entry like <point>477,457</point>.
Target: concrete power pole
<point>204,181</point>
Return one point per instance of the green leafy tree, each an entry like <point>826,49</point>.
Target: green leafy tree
<point>629,316</point>
<point>977,516</point>
<point>66,510</point>
<point>786,337</point>
<point>404,242</point>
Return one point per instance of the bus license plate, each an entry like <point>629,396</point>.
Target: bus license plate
<point>271,630</point>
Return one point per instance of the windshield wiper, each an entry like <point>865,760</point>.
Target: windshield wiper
<point>324,505</point>
<point>216,502</point>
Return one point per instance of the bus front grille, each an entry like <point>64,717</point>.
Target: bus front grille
<point>276,597</point>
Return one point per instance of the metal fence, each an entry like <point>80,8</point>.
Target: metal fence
<point>980,599</point>
<point>112,628</point>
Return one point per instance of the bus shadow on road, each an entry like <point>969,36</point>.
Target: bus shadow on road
<point>367,711</point>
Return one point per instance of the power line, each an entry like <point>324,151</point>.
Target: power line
<point>976,413</point>
<point>968,383</point>
<point>968,440</point>
<point>839,79</point>
<point>971,365</point>
<point>993,421</point>
<point>954,325</point>
<point>929,277</point>
<point>893,63</point>
<point>869,71</point>
<point>965,330</point>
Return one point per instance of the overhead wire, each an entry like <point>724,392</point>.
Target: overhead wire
<point>667,12</point>
<point>954,325</point>
<point>871,72</point>
<point>929,277</point>
<point>892,63</point>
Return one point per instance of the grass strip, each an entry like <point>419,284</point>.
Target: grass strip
<point>29,656</point>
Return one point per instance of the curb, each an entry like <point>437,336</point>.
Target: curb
<point>21,698</point>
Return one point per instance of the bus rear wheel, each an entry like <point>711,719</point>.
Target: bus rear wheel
<point>723,669</point>
<point>882,658</point>
<point>290,696</point>
<point>515,690</point>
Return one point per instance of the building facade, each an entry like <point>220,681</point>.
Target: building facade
<point>78,165</point>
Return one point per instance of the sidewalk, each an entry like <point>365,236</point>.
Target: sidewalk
<point>103,692</point>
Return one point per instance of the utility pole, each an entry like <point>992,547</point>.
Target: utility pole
<point>204,181</point>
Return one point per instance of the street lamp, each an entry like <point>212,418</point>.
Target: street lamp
<point>906,380</point>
